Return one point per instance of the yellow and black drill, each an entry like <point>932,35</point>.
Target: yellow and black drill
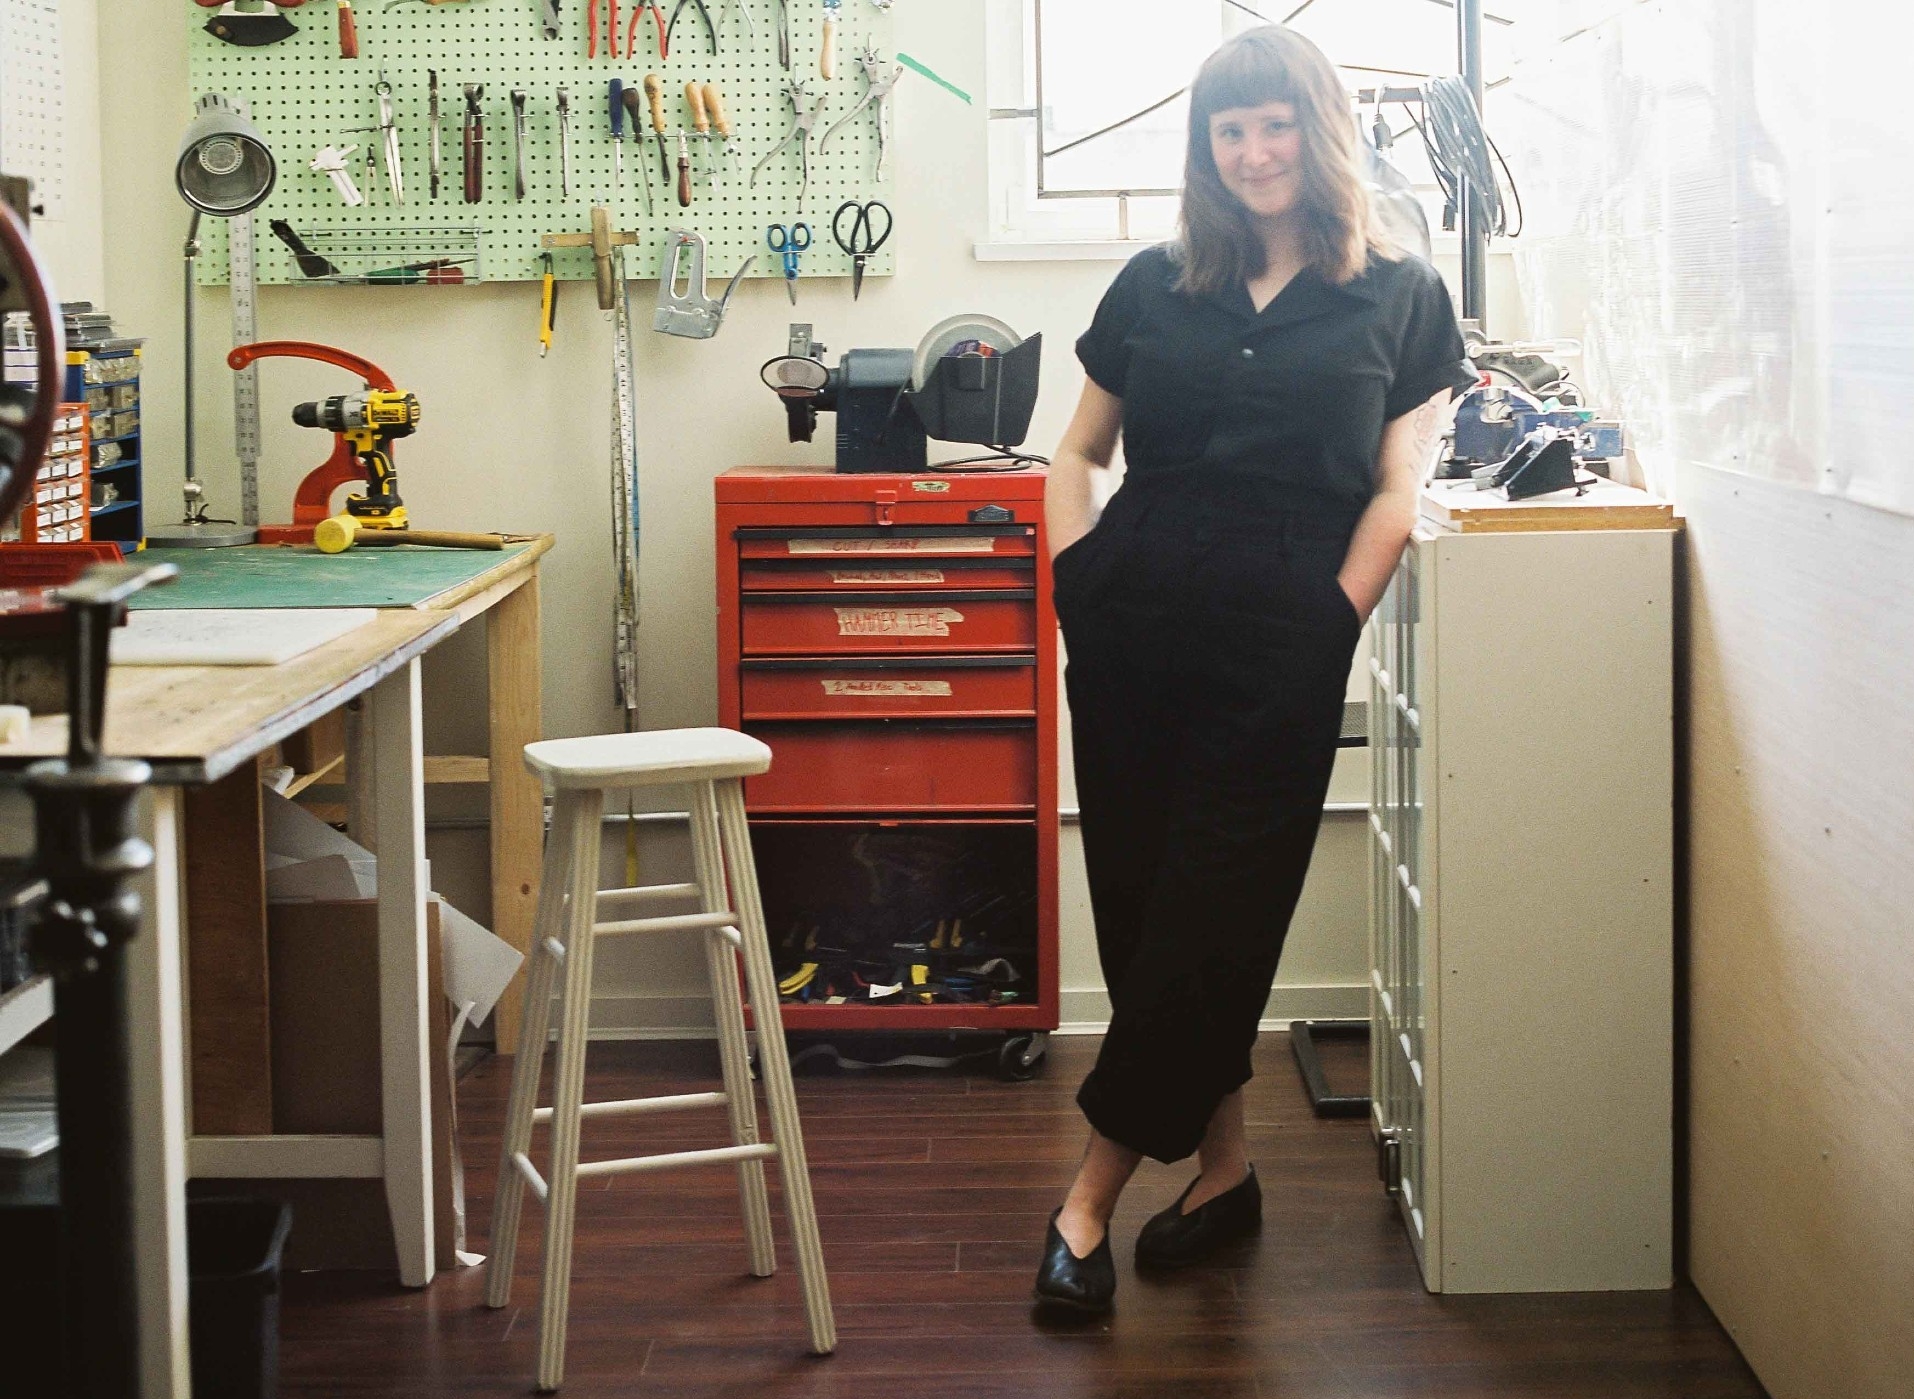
<point>370,421</point>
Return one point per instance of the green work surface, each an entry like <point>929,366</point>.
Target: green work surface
<point>401,575</point>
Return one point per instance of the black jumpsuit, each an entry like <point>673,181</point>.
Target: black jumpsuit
<point>1209,648</point>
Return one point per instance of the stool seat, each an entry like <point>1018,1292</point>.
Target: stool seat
<point>657,758</point>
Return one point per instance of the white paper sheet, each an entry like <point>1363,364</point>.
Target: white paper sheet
<point>240,636</point>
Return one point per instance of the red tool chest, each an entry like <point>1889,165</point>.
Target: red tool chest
<point>892,639</point>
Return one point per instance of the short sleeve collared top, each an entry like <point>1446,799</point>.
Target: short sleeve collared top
<point>1295,395</point>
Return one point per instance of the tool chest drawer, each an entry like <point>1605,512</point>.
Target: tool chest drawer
<point>826,543</point>
<point>807,623</point>
<point>895,765</point>
<point>893,687</point>
<point>850,574</point>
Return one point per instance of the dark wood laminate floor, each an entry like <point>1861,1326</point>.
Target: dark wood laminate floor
<point>932,1192</point>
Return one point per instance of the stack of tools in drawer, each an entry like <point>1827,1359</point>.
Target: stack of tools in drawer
<point>102,499</point>
<point>891,638</point>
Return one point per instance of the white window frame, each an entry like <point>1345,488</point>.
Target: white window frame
<point>1024,223</point>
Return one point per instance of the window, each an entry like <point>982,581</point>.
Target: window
<point>1088,101</point>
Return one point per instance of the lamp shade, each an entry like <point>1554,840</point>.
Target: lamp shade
<point>224,166</point>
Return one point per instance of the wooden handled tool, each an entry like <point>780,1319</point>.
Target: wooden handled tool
<point>654,93</point>
<point>348,31</point>
<point>701,123</point>
<point>474,143</point>
<point>827,42</point>
<point>337,533</point>
<point>635,105</point>
<point>714,104</point>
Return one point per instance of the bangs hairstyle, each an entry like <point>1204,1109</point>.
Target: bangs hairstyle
<point>1217,244</point>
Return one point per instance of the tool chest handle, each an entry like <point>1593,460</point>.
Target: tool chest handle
<point>882,662</point>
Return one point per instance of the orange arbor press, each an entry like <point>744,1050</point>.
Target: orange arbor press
<point>364,428</point>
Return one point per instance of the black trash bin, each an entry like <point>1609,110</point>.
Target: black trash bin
<point>233,1249</point>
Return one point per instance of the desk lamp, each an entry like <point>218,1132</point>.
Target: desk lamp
<point>224,169</point>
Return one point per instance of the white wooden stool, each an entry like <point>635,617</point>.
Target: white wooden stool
<point>572,914</point>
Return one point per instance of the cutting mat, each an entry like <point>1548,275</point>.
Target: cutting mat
<point>248,636</point>
<point>394,576</point>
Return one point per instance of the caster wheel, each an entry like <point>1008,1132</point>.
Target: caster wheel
<point>1022,1057</point>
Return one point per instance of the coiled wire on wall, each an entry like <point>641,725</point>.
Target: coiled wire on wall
<point>1460,149</point>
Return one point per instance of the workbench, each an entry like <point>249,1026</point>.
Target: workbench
<point>504,588</point>
<point>201,725</point>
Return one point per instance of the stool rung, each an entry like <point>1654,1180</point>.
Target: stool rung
<point>665,1161</point>
<point>646,893</point>
<point>530,1172</point>
<point>674,923</point>
<point>674,1102</point>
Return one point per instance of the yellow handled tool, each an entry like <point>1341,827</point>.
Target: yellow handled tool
<point>548,307</point>
<point>337,533</point>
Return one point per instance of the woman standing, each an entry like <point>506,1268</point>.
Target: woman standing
<point>1278,376</point>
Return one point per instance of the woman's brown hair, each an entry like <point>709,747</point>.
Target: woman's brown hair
<point>1217,246</point>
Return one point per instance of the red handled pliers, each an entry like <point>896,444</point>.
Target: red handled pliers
<point>657,18</point>
<point>611,28</point>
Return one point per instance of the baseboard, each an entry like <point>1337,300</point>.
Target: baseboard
<point>1084,1012</point>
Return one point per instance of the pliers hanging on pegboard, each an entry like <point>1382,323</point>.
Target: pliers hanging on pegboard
<point>805,106</point>
<point>879,80</point>
<point>611,28</point>
<point>658,22</point>
<point>710,30</point>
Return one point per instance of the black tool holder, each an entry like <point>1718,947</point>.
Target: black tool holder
<point>88,851</point>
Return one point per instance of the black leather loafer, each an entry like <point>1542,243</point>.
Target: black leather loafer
<point>1173,1239</point>
<point>1069,1283</point>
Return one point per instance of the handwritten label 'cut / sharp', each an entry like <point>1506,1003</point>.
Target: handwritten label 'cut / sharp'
<point>888,689</point>
<point>887,575</point>
<point>895,544</point>
<point>896,621</point>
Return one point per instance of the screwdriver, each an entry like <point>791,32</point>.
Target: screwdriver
<point>632,105</point>
<point>656,96</point>
<point>618,130</point>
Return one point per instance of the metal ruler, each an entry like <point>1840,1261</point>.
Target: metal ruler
<point>624,496</point>
<point>239,242</point>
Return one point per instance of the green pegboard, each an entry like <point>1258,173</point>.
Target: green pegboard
<point>304,96</point>
<point>264,576</point>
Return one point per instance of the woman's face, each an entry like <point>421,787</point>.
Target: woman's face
<point>1259,154</point>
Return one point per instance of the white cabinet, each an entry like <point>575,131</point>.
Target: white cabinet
<point>1522,900</point>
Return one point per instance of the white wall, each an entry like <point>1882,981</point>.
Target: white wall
<point>1706,214</point>
<point>72,246</point>
<point>513,442</point>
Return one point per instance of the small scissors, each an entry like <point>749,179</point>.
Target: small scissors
<point>789,241</point>
<point>864,238</point>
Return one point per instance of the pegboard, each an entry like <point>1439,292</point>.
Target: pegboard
<point>303,96</point>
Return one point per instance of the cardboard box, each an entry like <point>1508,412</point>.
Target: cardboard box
<point>323,969</point>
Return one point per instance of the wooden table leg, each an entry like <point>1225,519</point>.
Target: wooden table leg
<point>398,799</point>
<point>518,806</point>
<point>156,1018</point>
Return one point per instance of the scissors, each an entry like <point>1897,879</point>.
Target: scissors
<point>864,239</point>
<point>789,241</point>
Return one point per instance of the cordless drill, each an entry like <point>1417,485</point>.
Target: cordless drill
<point>370,422</point>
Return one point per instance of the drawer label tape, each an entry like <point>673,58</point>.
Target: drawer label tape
<point>896,621</point>
<point>896,544</point>
<point>887,575</point>
<point>887,689</point>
